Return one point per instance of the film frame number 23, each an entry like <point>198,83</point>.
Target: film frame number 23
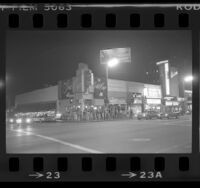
<point>52,175</point>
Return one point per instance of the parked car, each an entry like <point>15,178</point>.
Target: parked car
<point>148,115</point>
<point>170,115</point>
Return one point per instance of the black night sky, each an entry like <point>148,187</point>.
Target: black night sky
<point>36,58</point>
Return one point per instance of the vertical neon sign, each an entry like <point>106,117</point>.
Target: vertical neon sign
<point>167,79</point>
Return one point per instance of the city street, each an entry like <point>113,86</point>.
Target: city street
<point>120,136</point>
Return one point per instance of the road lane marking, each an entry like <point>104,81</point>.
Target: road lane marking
<point>140,139</point>
<point>60,141</point>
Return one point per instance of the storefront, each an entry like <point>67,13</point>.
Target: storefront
<point>152,98</point>
<point>172,106</point>
<point>134,102</point>
<point>153,104</point>
<point>79,94</point>
<point>98,102</point>
<point>188,100</point>
<point>189,105</point>
<point>136,108</point>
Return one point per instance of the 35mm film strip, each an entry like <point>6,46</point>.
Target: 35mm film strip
<point>99,92</point>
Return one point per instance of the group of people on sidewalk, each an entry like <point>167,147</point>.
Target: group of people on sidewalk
<point>98,113</point>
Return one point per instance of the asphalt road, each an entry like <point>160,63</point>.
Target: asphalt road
<point>124,136</point>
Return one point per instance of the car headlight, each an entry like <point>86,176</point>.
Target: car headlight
<point>143,115</point>
<point>19,120</point>
<point>11,120</point>
<point>166,115</point>
<point>28,120</point>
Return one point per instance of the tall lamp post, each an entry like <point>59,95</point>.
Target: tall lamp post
<point>188,79</point>
<point>112,57</point>
<point>111,63</point>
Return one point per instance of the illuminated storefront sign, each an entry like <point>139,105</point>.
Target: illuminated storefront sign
<point>171,103</point>
<point>167,78</point>
<point>152,93</point>
<point>162,62</point>
<point>164,70</point>
<point>153,101</point>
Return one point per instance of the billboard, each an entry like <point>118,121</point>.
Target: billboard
<point>122,54</point>
<point>100,88</point>
<point>65,89</point>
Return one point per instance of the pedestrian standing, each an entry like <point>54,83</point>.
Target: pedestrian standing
<point>131,114</point>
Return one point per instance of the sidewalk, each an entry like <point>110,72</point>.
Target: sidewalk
<point>101,120</point>
<point>186,117</point>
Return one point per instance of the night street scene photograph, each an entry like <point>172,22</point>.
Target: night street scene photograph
<point>98,91</point>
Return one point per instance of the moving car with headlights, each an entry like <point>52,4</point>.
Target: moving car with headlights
<point>20,120</point>
<point>170,115</point>
<point>148,115</point>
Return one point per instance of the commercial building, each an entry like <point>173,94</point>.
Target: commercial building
<point>85,90</point>
<point>174,94</point>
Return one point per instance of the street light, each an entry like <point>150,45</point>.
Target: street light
<point>113,57</point>
<point>188,78</point>
<point>113,62</point>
